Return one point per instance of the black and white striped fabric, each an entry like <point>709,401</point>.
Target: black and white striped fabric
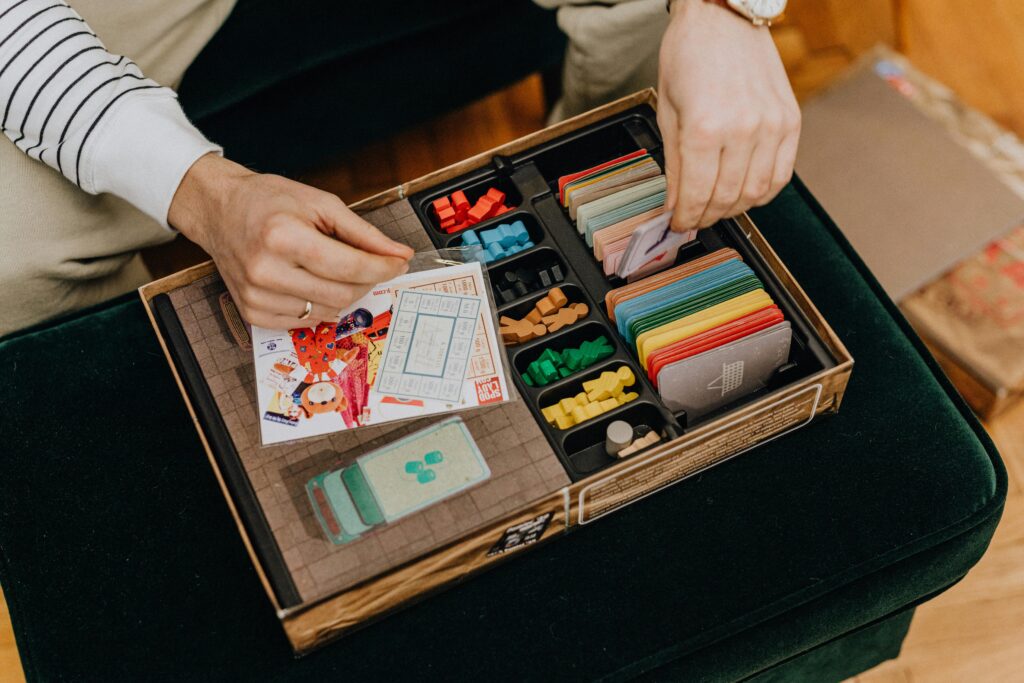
<point>93,116</point>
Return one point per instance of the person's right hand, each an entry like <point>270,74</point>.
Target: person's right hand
<point>728,114</point>
<point>279,243</point>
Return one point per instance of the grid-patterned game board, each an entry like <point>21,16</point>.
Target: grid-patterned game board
<point>523,466</point>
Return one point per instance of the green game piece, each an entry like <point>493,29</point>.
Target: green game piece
<point>433,458</point>
<point>536,374</point>
<point>551,364</point>
<point>548,371</point>
<point>572,359</point>
<point>601,348</point>
<point>550,356</point>
<point>591,353</point>
<point>542,372</point>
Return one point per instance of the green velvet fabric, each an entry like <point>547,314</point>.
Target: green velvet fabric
<point>310,80</point>
<point>846,656</point>
<point>120,561</point>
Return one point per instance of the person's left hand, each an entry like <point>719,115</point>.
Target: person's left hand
<point>727,113</point>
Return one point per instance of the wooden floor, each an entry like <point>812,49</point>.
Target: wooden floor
<point>974,631</point>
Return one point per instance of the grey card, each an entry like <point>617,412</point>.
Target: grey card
<point>711,379</point>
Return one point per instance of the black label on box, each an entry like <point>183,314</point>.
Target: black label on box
<point>521,535</point>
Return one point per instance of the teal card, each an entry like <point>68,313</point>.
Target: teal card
<point>423,468</point>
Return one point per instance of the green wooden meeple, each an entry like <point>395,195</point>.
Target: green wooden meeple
<point>552,365</point>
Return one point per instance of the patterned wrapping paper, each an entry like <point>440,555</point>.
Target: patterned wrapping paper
<point>523,466</point>
<point>975,313</point>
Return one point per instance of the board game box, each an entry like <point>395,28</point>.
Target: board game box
<point>637,357</point>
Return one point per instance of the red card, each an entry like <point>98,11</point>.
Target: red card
<point>573,176</point>
<point>711,339</point>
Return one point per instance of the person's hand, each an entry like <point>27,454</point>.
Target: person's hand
<point>727,113</point>
<point>279,243</point>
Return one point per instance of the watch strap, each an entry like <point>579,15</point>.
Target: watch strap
<point>721,3</point>
<point>726,5</point>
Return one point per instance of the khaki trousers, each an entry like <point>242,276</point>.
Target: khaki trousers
<point>60,248</point>
<point>612,52</point>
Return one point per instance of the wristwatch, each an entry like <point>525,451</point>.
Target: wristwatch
<point>759,12</point>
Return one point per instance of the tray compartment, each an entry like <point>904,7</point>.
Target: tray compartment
<point>528,264</point>
<point>573,292</point>
<point>585,444</point>
<point>475,186</point>
<point>587,329</point>
<point>537,234</point>
<point>571,386</point>
<point>593,145</point>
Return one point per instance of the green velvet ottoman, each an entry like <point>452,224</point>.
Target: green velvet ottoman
<point>800,560</point>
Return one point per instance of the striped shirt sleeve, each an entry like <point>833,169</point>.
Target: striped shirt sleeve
<point>68,102</point>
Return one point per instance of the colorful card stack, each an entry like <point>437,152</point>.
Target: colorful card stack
<point>706,332</point>
<point>611,202</point>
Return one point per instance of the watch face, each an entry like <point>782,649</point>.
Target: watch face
<point>765,9</point>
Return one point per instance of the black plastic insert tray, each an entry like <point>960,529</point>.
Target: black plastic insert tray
<point>530,181</point>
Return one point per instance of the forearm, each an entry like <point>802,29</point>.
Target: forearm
<point>91,115</point>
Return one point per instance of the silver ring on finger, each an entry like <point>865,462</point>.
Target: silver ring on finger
<point>308,312</point>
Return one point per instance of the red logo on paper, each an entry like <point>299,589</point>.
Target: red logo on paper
<point>488,391</point>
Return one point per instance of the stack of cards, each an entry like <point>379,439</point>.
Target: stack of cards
<point>618,207</point>
<point>577,189</point>
<point>706,332</point>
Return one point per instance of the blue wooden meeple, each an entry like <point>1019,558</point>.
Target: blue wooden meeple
<point>498,242</point>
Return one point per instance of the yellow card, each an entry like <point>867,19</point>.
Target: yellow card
<point>727,311</point>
